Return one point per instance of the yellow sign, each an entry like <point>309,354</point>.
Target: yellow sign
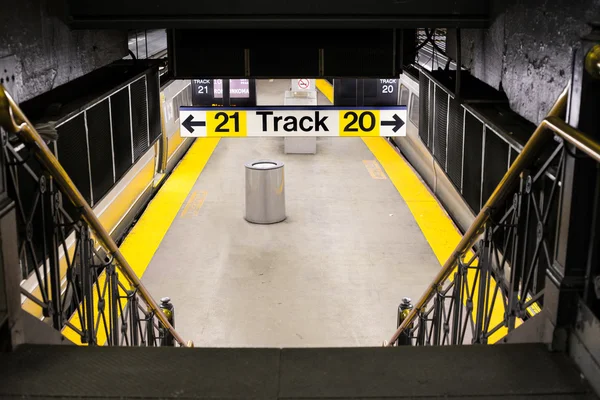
<point>359,123</point>
<point>226,123</point>
<point>292,121</point>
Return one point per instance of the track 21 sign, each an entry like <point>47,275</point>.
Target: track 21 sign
<point>290,121</point>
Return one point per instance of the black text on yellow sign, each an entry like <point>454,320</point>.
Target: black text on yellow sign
<point>226,123</point>
<point>288,121</point>
<point>359,123</point>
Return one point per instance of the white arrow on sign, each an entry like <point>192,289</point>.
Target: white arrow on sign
<point>292,121</point>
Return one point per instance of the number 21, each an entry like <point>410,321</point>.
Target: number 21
<point>236,121</point>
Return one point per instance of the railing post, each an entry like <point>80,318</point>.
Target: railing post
<point>518,251</point>
<point>85,260</point>
<point>403,309</point>
<point>167,308</point>
<point>51,202</point>
<point>113,304</point>
<point>11,327</point>
<point>134,318</point>
<point>482,289</point>
<point>422,330</point>
<point>458,306</point>
<point>150,333</point>
<point>437,316</point>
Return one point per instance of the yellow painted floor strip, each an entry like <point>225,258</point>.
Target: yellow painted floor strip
<point>145,237</point>
<point>436,225</point>
<point>141,243</point>
<point>326,88</point>
<point>199,203</point>
<point>374,169</point>
<point>189,203</point>
<point>194,204</point>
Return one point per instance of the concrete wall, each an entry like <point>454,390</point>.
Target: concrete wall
<point>42,53</point>
<point>528,49</point>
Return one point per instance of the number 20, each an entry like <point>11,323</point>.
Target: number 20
<point>354,118</point>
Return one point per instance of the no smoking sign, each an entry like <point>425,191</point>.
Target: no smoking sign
<point>304,84</point>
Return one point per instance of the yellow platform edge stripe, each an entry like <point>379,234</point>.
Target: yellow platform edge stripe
<point>143,240</point>
<point>145,237</point>
<point>326,88</point>
<point>437,227</point>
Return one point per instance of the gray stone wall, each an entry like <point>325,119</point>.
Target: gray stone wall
<point>40,51</point>
<point>528,50</point>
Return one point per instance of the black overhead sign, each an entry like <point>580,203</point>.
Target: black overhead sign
<point>203,92</point>
<point>365,92</point>
<point>281,121</point>
<point>224,92</point>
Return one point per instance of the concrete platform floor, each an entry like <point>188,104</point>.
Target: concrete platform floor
<point>332,274</point>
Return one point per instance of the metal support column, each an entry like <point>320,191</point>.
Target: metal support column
<point>437,317</point>
<point>51,203</point>
<point>87,278</point>
<point>113,305</point>
<point>565,280</point>
<point>406,49</point>
<point>482,288</point>
<point>134,318</point>
<point>11,324</point>
<point>519,246</point>
<point>458,306</point>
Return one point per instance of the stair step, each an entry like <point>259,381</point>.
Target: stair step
<point>508,371</point>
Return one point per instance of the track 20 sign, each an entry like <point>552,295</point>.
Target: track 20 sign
<point>291,121</point>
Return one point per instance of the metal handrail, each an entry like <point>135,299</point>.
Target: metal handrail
<point>528,155</point>
<point>13,120</point>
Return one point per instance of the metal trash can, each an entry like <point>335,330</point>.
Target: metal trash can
<point>265,192</point>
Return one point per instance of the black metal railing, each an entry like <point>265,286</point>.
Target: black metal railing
<point>495,278</point>
<point>74,274</point>
<point>431,48</point>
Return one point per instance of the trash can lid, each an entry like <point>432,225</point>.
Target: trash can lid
<point>264,164</point>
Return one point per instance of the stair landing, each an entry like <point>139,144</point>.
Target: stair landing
<point>511,371</point>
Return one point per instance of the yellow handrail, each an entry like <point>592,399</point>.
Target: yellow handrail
<point>531,151</point>
<point>14,121</point>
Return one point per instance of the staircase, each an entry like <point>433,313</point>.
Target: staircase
<point>84,287</point>
<point>519,371</point>
<point>547,330</point>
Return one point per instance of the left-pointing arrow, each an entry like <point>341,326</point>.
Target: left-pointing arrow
<point>397,123</point>
<point>189,123</point>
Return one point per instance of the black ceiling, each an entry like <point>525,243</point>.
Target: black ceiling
<point>277,14</point>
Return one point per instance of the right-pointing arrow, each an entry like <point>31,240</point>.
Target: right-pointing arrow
<point>189,123</point>
<point>397,123</point>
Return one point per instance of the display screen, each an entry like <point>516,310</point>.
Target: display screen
<point>388,87</point>
<point>218,88</point>
<point>202,86</point>
<point>239,88</point>
<point>219,92</point>
<point>202,92</point>
<point>365,92</point>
